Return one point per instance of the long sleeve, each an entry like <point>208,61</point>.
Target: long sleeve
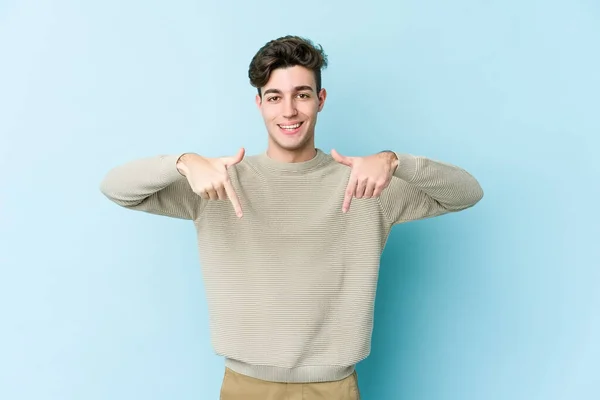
<point>423,188</point>
<point>153,185</point>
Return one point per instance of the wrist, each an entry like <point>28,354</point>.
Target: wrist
<point>181,163</point>
<point>392,158</point>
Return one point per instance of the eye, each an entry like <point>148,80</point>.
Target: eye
<point>272,98</point>
<point>304,95</point>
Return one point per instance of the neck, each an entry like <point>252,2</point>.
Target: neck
<point>269,164</point>
<point>292,156</point>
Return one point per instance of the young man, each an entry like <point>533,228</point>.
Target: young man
<point>290,240</point>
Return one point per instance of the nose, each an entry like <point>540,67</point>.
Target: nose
<point>289,108</point>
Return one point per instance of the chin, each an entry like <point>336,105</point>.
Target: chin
<point>290,143</point>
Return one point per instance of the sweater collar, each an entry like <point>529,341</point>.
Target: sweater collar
<point>295,167</point>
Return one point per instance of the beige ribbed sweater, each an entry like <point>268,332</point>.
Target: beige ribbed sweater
<point>291,285</point>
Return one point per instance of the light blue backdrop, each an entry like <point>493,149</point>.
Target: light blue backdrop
<point>498,302</point>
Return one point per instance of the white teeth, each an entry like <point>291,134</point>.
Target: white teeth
<point>290,126</point>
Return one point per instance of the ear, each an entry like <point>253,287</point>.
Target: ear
<point>322,97</point>
<point>258,101</point>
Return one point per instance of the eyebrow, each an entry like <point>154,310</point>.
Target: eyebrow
<point>297,89</point>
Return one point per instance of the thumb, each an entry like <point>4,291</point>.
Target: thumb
<point>229,161</point>
<point>341,159</point>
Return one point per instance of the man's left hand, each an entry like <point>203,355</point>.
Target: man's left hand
<point>369,175</point>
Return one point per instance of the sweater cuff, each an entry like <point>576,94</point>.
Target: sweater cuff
<point>407,167</point>
<point>169,167</point>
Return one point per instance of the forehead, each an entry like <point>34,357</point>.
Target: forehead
<point>288,78</point>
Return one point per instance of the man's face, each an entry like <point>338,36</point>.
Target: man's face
<point>289,107</point>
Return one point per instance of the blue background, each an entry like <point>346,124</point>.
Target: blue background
<point>497,302</point>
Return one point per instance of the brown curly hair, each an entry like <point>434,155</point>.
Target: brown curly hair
<point>286,51</point>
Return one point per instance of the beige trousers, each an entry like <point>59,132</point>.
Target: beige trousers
<point>236,386</point>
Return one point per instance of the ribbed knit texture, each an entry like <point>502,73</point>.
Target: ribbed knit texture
<point>291,285</point>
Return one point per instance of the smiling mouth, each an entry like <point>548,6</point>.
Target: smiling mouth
<point>292,128</point>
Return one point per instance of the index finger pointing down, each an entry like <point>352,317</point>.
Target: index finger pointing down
<point>233,198</point>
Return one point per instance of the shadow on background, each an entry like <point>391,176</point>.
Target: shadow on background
<point>396,333</point>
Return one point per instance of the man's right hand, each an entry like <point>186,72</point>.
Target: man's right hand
<point>208,177</point>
